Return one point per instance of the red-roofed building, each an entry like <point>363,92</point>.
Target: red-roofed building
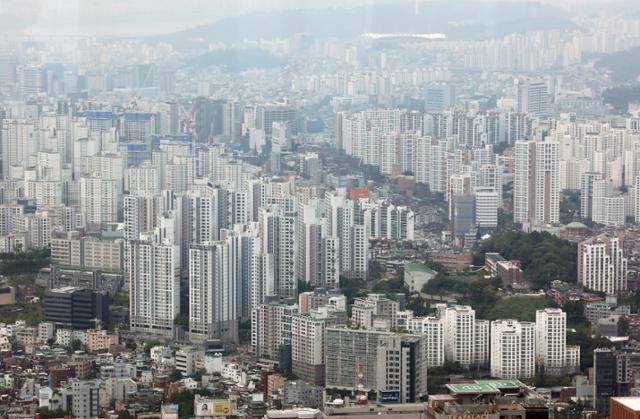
<point>357,193</point>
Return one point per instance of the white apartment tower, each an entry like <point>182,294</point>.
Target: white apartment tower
<point>512,349</point>
<point>586,193</point>
<point>636,203</point>
<point>602,265</point>
<point>464,341</point>
<point>486,207</point>
<point>551,341</point>
<point>277,231</point>
<point>213,292</point>
<point>99,199</point>
<point>154,285</point>
<point>432,329</point>
<point>536,194</point>
<point>271,328</point>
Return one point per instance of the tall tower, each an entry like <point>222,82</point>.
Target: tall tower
<point>551,340</point>
<point>512,349</point>
<point>154,282</point>
<point>213,292</point>
<point>536,194</point>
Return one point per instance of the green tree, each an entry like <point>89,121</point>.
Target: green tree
<point>543,257</point>
<point>124,414</point>
<point>375,270</point>
<point>390,286</point>
<point>419,306</point>
<point>181,320</point>
<point>175,375</point>
<point>150,344</point>
<point>120,299</point>
<point>304,286</point>
<point>352,288</point>
<point>199,374</point>
<point>76,345</point>
<point>46,413</point>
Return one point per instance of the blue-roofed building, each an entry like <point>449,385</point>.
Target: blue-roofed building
<point>135,153</point>
<point>138,126</point>
<point>98,121</point>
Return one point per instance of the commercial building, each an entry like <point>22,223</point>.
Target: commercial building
<point>74,307</point>
<point>368,360</point>
<point>487,203</point>
<point>533,96</point>
<point>402,368</point>
<point>614,375</point>
<point>488,399</point>
<point>624,408</point>
<point>104,252</point>
<point>439,97</point>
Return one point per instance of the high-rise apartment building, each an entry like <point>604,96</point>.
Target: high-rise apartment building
<point>154,280</point>
<point>466,340</point>
<point>213,292</point>
<point>602,265</point>
<point>587,193</point>
<point>277,231</point>
<point>308,332</point>
<point>553,356</point>
<point>606,208</point>
<point>271,328</point>
<point>512,349</point>
<point>17,144</point>
<point>352,237</point>
<point>536,190</point>
<point>432,329</point>
<point>99,199</point>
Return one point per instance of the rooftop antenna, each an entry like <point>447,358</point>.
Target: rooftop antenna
<point>361,395</point>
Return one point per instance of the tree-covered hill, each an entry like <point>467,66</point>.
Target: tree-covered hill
<point>544,257</point>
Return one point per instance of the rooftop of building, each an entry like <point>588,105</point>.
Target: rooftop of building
<point>66,290</point>
<point>576,225</point>
<point>417,266</point>
<point>632,403</point>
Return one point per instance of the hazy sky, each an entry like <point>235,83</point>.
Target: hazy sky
<point>145,17</point>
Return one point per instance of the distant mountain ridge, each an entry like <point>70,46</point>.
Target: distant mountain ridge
<point>464,19</point>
